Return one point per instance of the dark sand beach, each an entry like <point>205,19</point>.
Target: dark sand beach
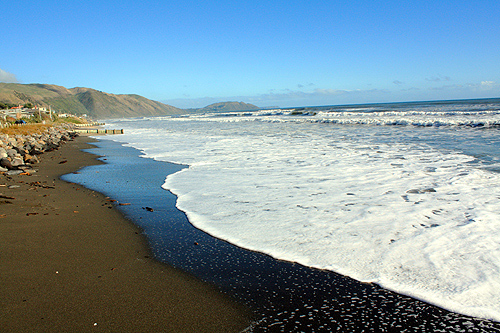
<point>284,296</point>
<point>70,262</point>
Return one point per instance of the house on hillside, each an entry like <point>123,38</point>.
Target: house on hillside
<point>11,113</point>
<point>18,112</point>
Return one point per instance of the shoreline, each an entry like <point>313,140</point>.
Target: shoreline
<point>284,295</point>
<point>71,262</point>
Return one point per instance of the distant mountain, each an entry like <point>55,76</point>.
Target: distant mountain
<point>227,107</point>
<point>78,101</point>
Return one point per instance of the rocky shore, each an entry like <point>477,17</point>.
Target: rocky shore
<point>18,152</point>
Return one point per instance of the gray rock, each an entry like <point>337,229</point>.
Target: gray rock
<point>27,168</point>
<point>6,163</point>
<point>14,172</point>
<point>31,159</point>
<point>11,152</point>
<point>417,191</point>
<point>17,161</point>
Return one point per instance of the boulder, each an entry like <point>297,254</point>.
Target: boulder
<point>17,161</point>
<point>14,172</point>
<point>31,159</point>
<point>6,163</point>
<point>11,152</point>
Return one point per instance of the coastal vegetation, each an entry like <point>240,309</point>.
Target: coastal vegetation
<point>7,105</point>
<point>25,130</point>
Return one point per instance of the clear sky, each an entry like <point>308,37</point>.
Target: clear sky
<point>270,53</point>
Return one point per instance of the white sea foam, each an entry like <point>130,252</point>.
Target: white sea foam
<point>377,203</point>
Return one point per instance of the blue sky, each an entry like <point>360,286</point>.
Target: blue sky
<point>269,53</point>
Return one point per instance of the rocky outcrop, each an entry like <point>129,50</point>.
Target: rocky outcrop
<point>18,153</point>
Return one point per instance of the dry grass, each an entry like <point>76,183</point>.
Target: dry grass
<point>25,129</point>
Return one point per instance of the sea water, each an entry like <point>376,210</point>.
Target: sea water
<point>403,195</point>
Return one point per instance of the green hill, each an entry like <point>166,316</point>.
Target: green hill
<point>228,107</point>
<point>78,101</point>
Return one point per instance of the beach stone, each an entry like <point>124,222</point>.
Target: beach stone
<point>417,191</point>
<point>2,169</point>
<point>6,163</point>
<point>27,169</point>
<point>14,172</point>
<point>51,147</point>
<point>17,161</point>
<point>3,152</point>
<point>37,149</point>
<point>21,151</point>
<point>11,152</point>
<point>30,159</point>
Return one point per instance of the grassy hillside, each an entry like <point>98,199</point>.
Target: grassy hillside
<point>228,106</point>
<point>78,101</point>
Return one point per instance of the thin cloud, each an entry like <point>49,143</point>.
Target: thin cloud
<point>483,85</point>
<point>287,98</point>
<point>7,77</point>
<point>300,85</point>
<point>411,89</point>
<point>290,98</point>
<point>488,83</point>
<point>193,103</point>
<point>487,86</point>
<point>438,78</point>
<point>397,82</point>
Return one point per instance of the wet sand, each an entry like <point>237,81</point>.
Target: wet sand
<point>70,262</point>
<point>285,296</point>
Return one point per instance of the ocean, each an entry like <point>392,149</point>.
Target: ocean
<point>405,196</point>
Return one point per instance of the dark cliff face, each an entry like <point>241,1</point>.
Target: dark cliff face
<point>78,101</point>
